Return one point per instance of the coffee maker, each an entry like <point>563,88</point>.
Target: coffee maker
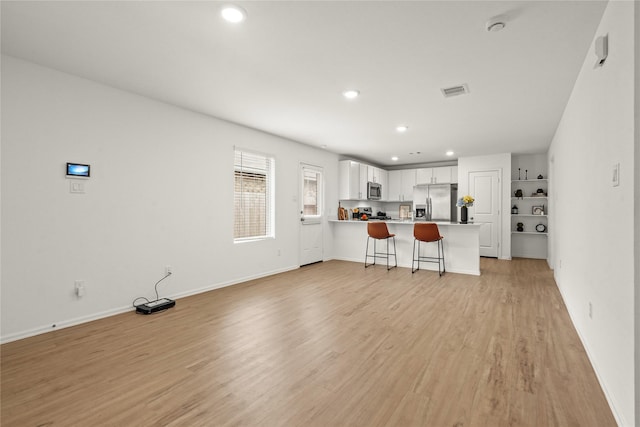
<point>421,211</point>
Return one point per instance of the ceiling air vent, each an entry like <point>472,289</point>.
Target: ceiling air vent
<point>455,90</point>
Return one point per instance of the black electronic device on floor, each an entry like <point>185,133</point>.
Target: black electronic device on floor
<point>155,306</point>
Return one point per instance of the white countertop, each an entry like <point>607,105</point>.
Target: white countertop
<point>461,243</point>
<point>408,222</point>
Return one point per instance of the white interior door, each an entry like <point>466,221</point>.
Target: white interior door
<point>311,213</point>
<point>484,186</point>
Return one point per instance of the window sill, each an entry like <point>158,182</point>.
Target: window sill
<point>253,239</point>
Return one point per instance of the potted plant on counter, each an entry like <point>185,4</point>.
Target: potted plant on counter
<point>464,203</point>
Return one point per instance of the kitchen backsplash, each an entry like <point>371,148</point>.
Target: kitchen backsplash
<point>392,209</point>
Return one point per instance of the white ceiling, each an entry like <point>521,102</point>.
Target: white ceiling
<point>284,68</point>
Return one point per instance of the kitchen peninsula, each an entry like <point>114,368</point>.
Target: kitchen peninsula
<point>461,244</point>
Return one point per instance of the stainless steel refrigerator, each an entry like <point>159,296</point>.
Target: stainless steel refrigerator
<point>439,201</point>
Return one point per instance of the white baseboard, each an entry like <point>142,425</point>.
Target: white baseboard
<point>607,395</point>
<point>232,282</point>
<point>112,312</point>
<point>63,324</point>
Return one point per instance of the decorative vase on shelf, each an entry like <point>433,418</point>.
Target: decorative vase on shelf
<point>464,215</point>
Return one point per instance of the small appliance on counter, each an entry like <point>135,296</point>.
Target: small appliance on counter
<point>381,215</point>
<point>421,211</point>
<point>368,211</point>
<point>364,213</point>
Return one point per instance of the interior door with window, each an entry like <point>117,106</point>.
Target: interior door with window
<point>311,214</point>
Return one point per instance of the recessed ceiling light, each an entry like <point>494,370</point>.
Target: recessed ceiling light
<point>234,14</point>
<point>402,128</point>
<point>449,153</point>
<point>394,158</point>
<point>351,93</point>
<point>323,146</point>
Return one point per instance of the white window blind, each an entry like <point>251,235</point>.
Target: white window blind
<point>253,196</point>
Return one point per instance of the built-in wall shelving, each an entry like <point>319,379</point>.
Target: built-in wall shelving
<point>530,243</point>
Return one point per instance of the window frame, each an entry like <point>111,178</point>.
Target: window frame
<point>269,208</point>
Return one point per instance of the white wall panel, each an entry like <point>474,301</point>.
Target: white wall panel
<point>161,193</point>
<point>593,222</point>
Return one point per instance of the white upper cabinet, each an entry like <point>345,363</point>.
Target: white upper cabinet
<point>383,179</point>
<point>349,180</point>
<point>364,178</point>
<point>401,183</point>
<point>454,174</point>
<point>375,174</point>
<point>353,178</point>
<point>408,182</point>
<point>379,176</point>
<point>397,185</point>
<point>371,173</point>
<point>439,175</point>
<point>424,176</point>
<point>442,175</point>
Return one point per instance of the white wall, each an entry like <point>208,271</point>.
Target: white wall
<point>636,178</point>
<point>535,164</point>
<point>502,163</point>
<point>593,235</point>
<point>161,193</point>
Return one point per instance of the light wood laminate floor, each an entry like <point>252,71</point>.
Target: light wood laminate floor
<point>329,344</point>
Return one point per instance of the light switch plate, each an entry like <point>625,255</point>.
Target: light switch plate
<point>615,178</point>
<point>76,187</point>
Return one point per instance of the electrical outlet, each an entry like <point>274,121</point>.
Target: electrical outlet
<point>79,288</point>
<point>168,270</point>
<point>560,264</point>
<point>590,310</point>
<point>279,252</point>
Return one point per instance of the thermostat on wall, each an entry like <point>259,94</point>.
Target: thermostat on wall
<point>78,170</point>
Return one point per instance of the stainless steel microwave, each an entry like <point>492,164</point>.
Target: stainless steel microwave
<point>374,191</point>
